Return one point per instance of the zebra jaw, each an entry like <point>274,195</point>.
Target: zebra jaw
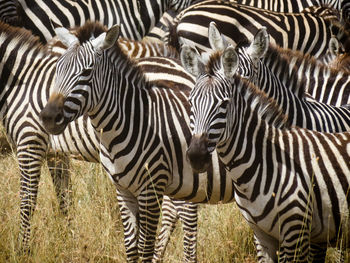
<point>198,154</point>
<point>52,115</point>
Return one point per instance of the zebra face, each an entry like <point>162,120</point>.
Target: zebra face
<point>210,102</point>
<point>74,93</point>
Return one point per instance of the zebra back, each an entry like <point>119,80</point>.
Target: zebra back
<point>239,23</point>
<point>136,18</point>
<point>286,6</point>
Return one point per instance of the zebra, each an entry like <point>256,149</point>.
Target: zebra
<point>136,17</point>
<point>239,23</point>
<point>264,65</point>
<point>8,11</point>
<point>145,132</point>
<point>291,184</point>
<point>287,6</point>
<point>28,68</point>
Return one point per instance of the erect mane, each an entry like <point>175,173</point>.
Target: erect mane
<point>284,57</point>
<point>266,107</point>
<point>341,63</point>
<point>89,30</point>
<point>22,36</point>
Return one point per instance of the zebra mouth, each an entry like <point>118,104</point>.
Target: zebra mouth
<point>52,115</point>
<point>198,154</point>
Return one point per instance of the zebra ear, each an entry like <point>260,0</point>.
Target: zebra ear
<point>229,62</point>
<point>191,61</point>
<point>260,44</point>
<point>216,39</point>
<point>107,39</point>
<point>65,36</point>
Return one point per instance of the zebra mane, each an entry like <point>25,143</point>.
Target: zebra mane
<point>284,56</point>
<point>89,30</point>
<point>266,107</point>
<point>23,37</point>
<point>341,63</point>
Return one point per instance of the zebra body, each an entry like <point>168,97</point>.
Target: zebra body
<point>8,11</point>
<point>287,6</point>
<point>264,65</point>
<point>239,23</point>
<point>144,154</point>
<point>291,184</point>
<point>21,68</point>
<point>137,17</point>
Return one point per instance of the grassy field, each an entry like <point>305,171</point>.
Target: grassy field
<point>92,232</point>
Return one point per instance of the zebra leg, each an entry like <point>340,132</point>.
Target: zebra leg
<point>59,169</point>
<point>29,161</point>
<point>150,202</point>
<point>318,253</point>
<point>129,211</point>
<point>188,215</point>
<point>266,246</point>
<point>169,219</point>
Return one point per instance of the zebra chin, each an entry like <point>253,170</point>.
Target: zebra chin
<point>198,154</point>
<point>52,115</point>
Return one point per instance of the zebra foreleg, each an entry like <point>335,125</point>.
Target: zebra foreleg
<point>318,254</point>
<point>29,164</point>
<point>59,169</point>
<point>129,212</point>
<point>266,246</point>
<point>150,202</point>
<point>188,215</point>
<point>169,219</point>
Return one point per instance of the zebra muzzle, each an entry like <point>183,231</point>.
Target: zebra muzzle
<point>52,115</point>
<point>198,154</point>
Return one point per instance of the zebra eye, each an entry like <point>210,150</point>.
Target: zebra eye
<point>224,103</point>
<point>86,71</point>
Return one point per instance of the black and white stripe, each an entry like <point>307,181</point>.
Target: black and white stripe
<point>291,184</point>
<point>144,154</point>
<point>288,6</point>
<point>266,66</point>
<point>306,31</point>
<point>136,17</point>
<point>28,68</point>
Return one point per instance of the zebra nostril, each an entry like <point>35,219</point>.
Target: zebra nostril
<point>59,118</point>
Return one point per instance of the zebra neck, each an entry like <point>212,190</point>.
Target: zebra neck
<point>120,85</point>
<point>321,81</point>
<point>276,71</point>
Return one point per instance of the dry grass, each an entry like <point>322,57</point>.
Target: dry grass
<point>92,232</point>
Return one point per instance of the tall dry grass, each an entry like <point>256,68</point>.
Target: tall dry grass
<point>92,231</point>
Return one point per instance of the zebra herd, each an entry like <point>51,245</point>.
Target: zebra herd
<point>223,101</point>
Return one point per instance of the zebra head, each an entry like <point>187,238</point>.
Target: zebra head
<point>210,101</point>
<point>73,95</point>
<point>249,55</point>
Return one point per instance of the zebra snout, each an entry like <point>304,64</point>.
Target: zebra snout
<point>198,154</point>
<point>52,115</point>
